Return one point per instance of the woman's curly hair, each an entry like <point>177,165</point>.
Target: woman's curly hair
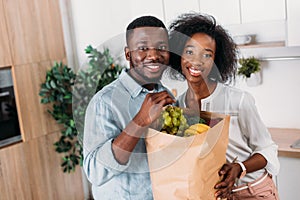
<point>188,24</point>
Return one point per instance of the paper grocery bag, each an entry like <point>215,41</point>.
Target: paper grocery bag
<point>187,167</point>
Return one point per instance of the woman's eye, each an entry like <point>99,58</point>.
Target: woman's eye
<point>206,55</point>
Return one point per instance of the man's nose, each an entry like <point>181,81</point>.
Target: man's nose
<point>152,53</point>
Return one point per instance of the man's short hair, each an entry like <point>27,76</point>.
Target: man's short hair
<point>144,21</point>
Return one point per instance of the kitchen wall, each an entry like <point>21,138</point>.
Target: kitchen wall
<point>277,98</point>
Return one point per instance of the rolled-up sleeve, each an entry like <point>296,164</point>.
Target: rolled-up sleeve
<point>259,138</point>
<point>100,129</point>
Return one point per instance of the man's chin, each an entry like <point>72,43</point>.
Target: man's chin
<point>153,77</point>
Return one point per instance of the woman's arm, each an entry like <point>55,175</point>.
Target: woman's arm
<point>231,171</point>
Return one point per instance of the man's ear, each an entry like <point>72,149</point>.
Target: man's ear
<point>127,53</point>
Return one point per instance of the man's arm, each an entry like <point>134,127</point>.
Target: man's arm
<point>152,106</point>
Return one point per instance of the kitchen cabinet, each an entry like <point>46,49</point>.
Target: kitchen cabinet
<point>244,11</point>
<point>262,10</point>
<point>289,175</point>
<point>173,8</point>
<point>288,178</point>
<point>30,170</point>
<point>36,40</point>
<point>31,40</point>
<point>33,116</point>
<point>293,18</point>
<point>34,29</point>
<point>241,17</point>
<point>138,8</point>
<point>5,57</point>
<point>226,12</point>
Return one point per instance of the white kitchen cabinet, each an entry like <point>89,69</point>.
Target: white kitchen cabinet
<point>226,12</point>
<point>244,11</point>
<point>173,8</point>
<point>293,22</point>
<point>288,178</point>
<point>143,7</point>
<point>262,10</point>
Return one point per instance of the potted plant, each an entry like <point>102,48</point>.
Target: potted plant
<point>250,70</point>
<point>69,94</point>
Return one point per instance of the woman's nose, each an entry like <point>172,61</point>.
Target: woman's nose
<point>197,62</point>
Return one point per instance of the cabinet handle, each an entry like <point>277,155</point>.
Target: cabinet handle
<point>280,58</point>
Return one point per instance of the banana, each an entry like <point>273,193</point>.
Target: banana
<point>199,128</point>
<point>190,132</point>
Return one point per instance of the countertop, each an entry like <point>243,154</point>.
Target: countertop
<point>284,138</point>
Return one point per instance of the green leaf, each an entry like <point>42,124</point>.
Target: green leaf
<point>52,83</point>
<point>68,96</point>
<point>44,100</point>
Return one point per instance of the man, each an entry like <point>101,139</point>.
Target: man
<point>118,116</point>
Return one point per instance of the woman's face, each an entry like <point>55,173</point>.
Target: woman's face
<point>197,58</point>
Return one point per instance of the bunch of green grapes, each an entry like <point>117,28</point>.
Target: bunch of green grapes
<point>174,122</point>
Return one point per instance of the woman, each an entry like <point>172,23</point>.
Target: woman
<point>205,54</point>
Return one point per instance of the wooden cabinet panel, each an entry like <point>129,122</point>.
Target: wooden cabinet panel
<point>34,119</point>
<point>14,173</point>
<point>5,57</point>
<point>31,170</point>
<point>35,30</point>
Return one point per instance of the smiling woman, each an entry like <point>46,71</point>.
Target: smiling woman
<point>209,92</point>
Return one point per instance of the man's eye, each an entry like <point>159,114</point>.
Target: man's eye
<point>143,48</point>
<point>189,52</point>
<point>162,48</point>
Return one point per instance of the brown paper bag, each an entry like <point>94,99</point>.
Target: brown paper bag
<point>187,167</point>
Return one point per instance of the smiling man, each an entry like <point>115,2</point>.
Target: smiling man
<point>118,116</point>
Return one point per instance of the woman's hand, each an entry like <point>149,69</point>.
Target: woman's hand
<point>229,172</point>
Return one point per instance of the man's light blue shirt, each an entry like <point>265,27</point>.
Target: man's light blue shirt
<point>108,113</point>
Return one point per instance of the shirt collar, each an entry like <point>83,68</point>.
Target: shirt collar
<point>133,87</point>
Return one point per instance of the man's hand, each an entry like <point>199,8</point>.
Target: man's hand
<point>152,107</point>
<point>229,172</point>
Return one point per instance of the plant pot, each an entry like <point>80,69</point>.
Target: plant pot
<point>254,80</point>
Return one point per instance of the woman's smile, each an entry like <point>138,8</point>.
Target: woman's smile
<point>195,71</point>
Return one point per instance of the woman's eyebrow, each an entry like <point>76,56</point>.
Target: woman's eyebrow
<point>210,50</point>
<point>193,46</point>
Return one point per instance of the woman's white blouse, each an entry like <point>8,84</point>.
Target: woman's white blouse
<point>247,133</point>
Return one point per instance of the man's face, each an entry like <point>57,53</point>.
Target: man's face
<point>147,53</point>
